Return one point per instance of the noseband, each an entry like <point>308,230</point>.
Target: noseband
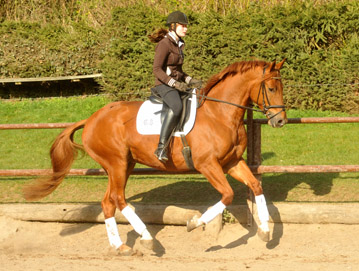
<point>262,90</point>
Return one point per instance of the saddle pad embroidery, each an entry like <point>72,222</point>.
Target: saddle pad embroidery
<point>149,123</point>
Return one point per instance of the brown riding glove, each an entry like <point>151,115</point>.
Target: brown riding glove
<point>181,86</point>
<point>195,83</point>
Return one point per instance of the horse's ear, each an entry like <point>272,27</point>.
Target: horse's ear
<point>271,66</point>
<point>280,64</point>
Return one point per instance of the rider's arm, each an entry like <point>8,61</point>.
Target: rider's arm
<point>160,64</point>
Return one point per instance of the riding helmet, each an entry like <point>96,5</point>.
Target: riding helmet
<point>177,17</point>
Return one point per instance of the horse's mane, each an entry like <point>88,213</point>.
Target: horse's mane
<point>233,69</point>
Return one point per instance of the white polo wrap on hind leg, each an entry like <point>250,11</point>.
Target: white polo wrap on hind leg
<point>262,211</point>
<point>211,213</point>
<point>136,223</point>
<point>112,232</point>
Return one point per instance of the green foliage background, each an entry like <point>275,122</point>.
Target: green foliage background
<point>63,37</point>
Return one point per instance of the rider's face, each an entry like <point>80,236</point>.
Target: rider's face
<point>181,30</point>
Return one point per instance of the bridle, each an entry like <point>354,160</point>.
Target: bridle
<point>266,107</point>
<point>263,90</point>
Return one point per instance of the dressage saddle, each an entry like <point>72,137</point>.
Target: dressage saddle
<point>186,110</point>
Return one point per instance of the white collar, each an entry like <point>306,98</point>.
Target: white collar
<point>173,35</point>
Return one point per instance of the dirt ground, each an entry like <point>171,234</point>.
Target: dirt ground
<point>59,246</point>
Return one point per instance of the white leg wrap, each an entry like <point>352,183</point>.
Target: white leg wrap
<point>135,222</point>
<point>146,235</point>
<point>262,209</point>
<point>210,214</point>
<point>112,232</point>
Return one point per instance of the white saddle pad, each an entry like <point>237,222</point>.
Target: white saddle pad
<point>149,123</point>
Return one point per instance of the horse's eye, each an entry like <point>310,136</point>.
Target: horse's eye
<point>271,89</point>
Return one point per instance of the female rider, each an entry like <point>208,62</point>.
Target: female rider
<point>170,78</point>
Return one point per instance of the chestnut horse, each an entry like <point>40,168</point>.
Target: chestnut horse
<point>217,140</point>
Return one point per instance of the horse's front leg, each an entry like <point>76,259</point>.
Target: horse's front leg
<point>215,175</point>
<point>242,173</point>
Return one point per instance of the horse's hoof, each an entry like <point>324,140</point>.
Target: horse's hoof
<point>148,244</point>
<point>124,250</point>
<point>263,235</point>
<point>193,223</point>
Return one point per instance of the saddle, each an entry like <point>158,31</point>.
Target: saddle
<point>186,106</point>
<point>186,110</point>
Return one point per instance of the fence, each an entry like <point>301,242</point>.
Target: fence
<point>77,78</point>
<point>253,151</point>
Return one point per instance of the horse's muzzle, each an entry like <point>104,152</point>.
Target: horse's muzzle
<point>277,120</point>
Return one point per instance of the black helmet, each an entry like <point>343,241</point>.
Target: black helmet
<point>177,17</point>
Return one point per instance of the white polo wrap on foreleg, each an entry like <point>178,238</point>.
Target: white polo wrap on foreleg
<point>112,232</point>
<point>136,222</point>
<point>262,209</point>
<point>211,213</point>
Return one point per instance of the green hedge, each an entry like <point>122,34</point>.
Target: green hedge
<point>320,43</point>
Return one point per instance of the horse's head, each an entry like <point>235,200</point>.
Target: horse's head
<point>270,95</point>
<point>261,79</point>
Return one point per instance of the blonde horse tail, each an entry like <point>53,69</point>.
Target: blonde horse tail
<point>63,152</point>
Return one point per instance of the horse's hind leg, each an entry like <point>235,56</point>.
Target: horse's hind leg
<point>109,208</point>
<point>242,173</point>
<point>115,197</point>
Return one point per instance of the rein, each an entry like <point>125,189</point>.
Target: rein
<point>263,89</point>
<point>204,97</point>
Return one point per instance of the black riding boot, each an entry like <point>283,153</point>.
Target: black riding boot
<point>169,123</point>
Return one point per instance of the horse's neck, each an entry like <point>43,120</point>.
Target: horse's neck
<point>234,90</point>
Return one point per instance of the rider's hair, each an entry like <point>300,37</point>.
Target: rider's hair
<point>158,35</point>
<point>172,27</point>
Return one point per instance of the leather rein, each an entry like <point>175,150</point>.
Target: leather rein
<point>263,90</point>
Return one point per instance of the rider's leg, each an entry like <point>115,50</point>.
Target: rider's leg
<point>174,102</point>
<point>169,123</point>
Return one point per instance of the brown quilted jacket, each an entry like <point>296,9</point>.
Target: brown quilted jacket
<point>167,64</point>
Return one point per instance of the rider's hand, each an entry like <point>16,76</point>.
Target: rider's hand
<point>181,86</point>
<point>195,83</point>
